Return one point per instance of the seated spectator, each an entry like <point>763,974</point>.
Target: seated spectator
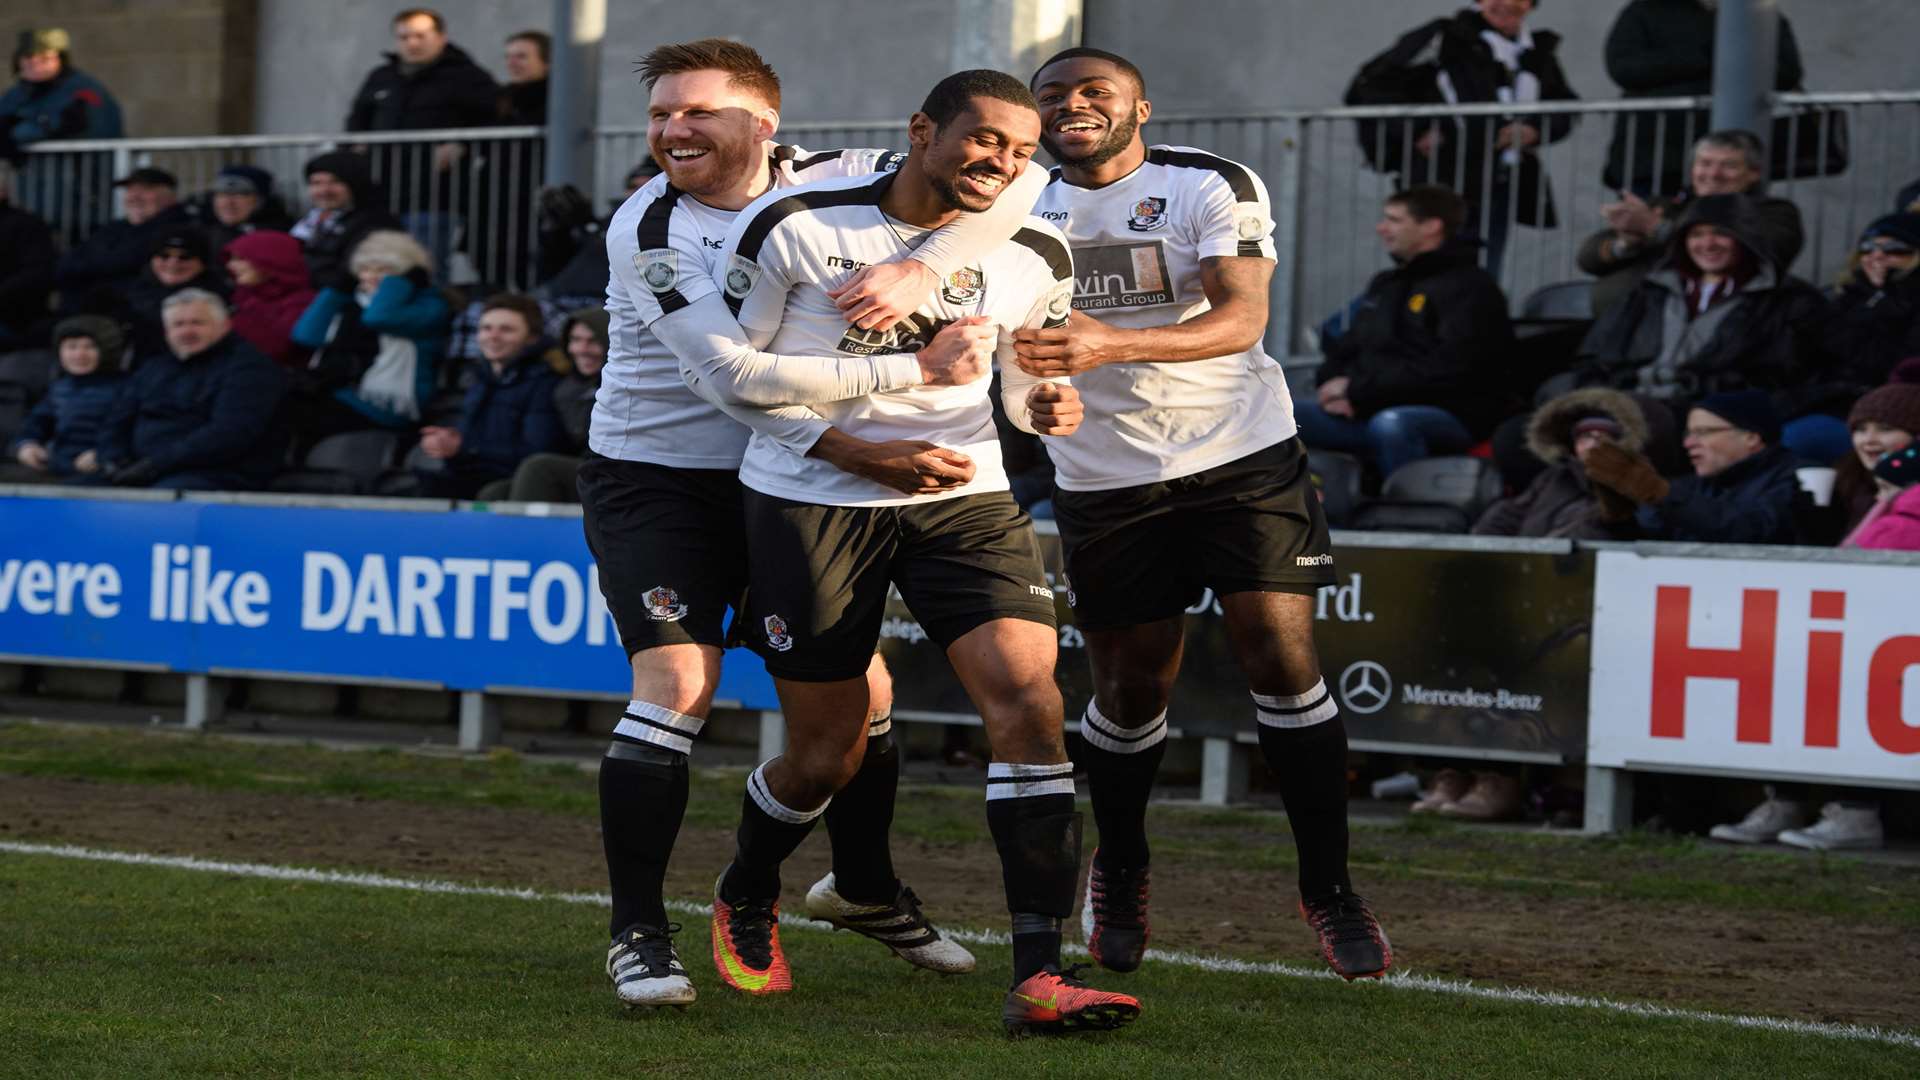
<point>554,477</point>
<point>1894,522</point>
<point>1716,315</point>
<point>1563,500</point>
<point>346,206</point>
<point>112,257</point>
<point>1742,491</point>
<point>53,99</point>
<point>203,415</point>
<point>61,436</point>
<point>1884,422</point>
<point>374,349</point>
<point>1638,232</point>
<point>26,269</point>
<point>1875,322</point>
<point>270,292</point>
<point>242,200</point>
<point>179,261</point>
<point>572,245</point>
<point>507,415</point>
<point>1419,371</point>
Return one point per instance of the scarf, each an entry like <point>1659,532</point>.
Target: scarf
<point>1521,85</point>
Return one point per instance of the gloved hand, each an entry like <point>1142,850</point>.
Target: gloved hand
<point>1626,472</point>
<point>135,474</point>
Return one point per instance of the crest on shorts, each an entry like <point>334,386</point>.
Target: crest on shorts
<point>663,604</point>
<point>659,268</point>
<point>964,286</point>
<point>1148,214</point>
<point>742,275</point>
<point>777,637</point>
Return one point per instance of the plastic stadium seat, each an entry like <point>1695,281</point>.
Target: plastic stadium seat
<point>1567,301</point>
<point>1338,477</point>
<point>1438,494</point>
<point>344,464</point>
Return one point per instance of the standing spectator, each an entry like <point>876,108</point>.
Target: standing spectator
<point>1742,491</point>
<point>523,101</point>
<point>270,292</point>
<point>26,268</point>
<point>426,83</point>
<point>1563,500</point>
<point>1728,162</point>
<point>376,347</point>
<point>1482,54</point>
<point>50,100</point>
<point>501,238</point>
<point>61,436</point>
<point>202,416</point>
<point>1419,372</point>
<point>112,257</point>
<point>508,414</point>
<point>1664,48</point>
<point>1884,422</point>
<point>555,477</point>
<point>179,261</point>
<point>347,205</point>
<point>241,201</point>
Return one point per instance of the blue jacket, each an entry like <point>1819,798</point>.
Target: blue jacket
<point>217,410</point>
<point>404,307</point>
<point>1748,502</point>
<point>507,418</point>
<point>73,106</point>
<point>69,421</point>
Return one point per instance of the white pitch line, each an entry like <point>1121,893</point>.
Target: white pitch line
<point>1403,981</point>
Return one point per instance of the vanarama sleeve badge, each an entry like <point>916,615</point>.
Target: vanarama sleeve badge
<point>659,268</point>
<point>742,275</point>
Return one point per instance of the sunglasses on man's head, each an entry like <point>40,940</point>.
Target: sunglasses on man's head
<point>1886,247</point>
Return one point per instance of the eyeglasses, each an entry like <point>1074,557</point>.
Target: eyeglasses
<point>1704,432</point>
<point>1898,251</point>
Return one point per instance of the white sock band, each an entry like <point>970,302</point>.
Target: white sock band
<point>1006,780</point>
<point>659,726</point>
<point>1106,735</point>
<point>775,809</point>
<point>879,725</point>
<point>1316,706</point>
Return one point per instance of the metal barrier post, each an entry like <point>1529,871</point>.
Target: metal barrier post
<point>1223,772</point>
<point>206,702</point>
<point>1609,801</point>
<point>773,735</point>
<point>1289,204</point>
<point>479,720</point>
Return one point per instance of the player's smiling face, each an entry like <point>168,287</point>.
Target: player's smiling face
<point>705,133</point>
<point>1090,110</point>
<point>973,159</point>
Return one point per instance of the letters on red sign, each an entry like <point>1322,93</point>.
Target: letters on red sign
<point>1886,677</point>
<point>1750,665</point>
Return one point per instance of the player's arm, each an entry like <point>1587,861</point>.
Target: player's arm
<point>1042,406</point>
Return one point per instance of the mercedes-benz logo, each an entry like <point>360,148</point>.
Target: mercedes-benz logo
<point>1366,687</point>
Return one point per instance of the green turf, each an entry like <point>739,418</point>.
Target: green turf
<point>121,971</point>
<point>1636,867</point>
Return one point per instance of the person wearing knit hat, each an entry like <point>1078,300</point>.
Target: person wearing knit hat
<point>60,437</point>
<point>1743,489</point>
<point>241,200</point>
<point>1882,421</point>
<point>53,99</point>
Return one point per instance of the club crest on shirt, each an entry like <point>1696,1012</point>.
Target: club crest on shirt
<point>742,275</point>
<point>964,286</point>
<point>663,604</point>
<point>659,268</point>
<point>1148,214</point>
<point>777,637</point>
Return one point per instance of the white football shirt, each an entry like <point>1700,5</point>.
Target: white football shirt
<point>790,247</point>
<point>1137,246</point>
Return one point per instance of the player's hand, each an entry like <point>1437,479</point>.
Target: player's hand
<point>1065,351</point>
<point>912,467</point>
<point>960,353</point>
<point>1055,409</point>
<point>884,293</point>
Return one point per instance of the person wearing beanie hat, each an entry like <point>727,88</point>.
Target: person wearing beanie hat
<point>52,99</point>
<point>178,259</point>
<point>1894,522</point>
<point>1883,420</point>
<point>241,200</point>
<point>1875,321</point>
<point>347,205</point>
<point>1743,489</point>
<point>60,438</point>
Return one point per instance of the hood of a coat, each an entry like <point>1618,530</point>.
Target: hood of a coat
<point>1550,432</point>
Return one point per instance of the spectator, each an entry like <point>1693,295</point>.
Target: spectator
<point>241,201</point>
<point>1876,307</point>
<point>502,243</point>
<point>270,291</point>
<point>426,83</point>
<point>554,477</point>
<point>26,269</point>
<point>1484,53</point>
<point>1563,500</point>
<point>1664,48</point>
<point>1418,373</point>
<point>375,348</point>
<point>112,258</point>
<point>202,416</point>
<point>1637,232</point>
<point>347,205</point>
<point>1882,423</point>
<point>61,436</point>
<point>1894,522</point>
<point>53,99</point>
<point>179,261</point>
<point>572,245</point>
<point>1742,491</point>
<point>523,101</point>
<point>508,413</point>
<point>1716,315</point>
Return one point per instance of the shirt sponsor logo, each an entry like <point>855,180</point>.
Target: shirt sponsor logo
<point>1148,214</point>
<point>964,286</point>
<point>1121,276</point>
<point>659,268</point>
<point>910,334</point>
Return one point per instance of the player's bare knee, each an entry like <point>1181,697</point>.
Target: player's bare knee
<point>1132,698</point>
<point>681,678</point>
<point>879,689</point>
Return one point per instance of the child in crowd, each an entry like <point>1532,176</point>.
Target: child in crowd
<point>58,439</point>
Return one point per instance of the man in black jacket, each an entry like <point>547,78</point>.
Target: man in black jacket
<point>200,417</point>
<point>112,257</point>
<point>26,268</point>
<point>1743,489</point>
<point>347,205</point>
<point>1420,371</point>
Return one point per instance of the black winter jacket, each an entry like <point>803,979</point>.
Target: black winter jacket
<point>217,410</point>
<point>1871,329</point>
<point>331,245</point>
<point>70,420</point>
<point>1434,331</point>
<point>138,307</point>
<point>113,256</point>
<point>451,92</point>
<point>508,417</point>
<point>1748,502</point>
<point>26,273</point>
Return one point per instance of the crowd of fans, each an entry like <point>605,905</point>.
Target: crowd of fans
<point>1712,396</point>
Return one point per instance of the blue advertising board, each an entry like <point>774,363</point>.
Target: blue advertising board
<point>462,599</point>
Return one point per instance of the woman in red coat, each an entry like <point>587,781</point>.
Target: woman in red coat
<point>271,290</point>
